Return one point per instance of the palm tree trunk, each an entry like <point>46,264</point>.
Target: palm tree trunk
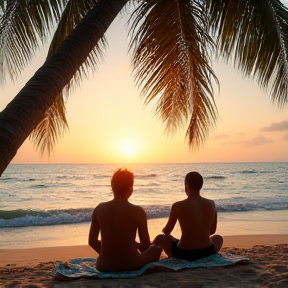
<point>25,111</point>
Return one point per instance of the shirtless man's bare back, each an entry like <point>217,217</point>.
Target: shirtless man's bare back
<point>118,221</point>
<point>197,217</point>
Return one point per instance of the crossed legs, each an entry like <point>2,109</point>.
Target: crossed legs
<point>166,241</point>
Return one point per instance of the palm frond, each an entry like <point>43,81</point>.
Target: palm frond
<point>171,47</point>
<point>54,122</point>
<point>24,25</point>
<point>47,132</point>
<point>71,16</point>
<point>254,35</point>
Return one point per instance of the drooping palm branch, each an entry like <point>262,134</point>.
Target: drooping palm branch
<point>171,57</point>
<point>24,26</point>
<point>254,36</point>
<point>54,122</point>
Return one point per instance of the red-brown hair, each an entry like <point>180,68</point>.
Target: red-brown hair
<point>121,181</point>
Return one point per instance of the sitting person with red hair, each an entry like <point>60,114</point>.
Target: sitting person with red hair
<point>118,221</point>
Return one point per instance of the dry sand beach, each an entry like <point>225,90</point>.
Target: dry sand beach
<point>268,267</point>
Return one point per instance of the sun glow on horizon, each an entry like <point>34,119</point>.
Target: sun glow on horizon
<point>128,146</point>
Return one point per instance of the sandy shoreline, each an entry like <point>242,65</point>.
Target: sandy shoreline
<point>32,257</point>
<point>268,267</point>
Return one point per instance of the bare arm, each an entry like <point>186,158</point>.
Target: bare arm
<point>214,223</point>
<point>171,221</point>
<point>93,240</point>
<point>143,232</point>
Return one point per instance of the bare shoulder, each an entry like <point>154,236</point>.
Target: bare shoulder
<point>208,201</point>
<point>137,209</point>
<point>95,212</point>
<point>100,207</point>
<point>178,204</point>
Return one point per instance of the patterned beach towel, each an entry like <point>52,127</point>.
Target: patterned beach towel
<point>85,267</point>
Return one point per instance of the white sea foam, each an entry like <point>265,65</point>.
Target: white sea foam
<point>46,195</point>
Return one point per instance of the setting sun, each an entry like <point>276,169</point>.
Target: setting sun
<point>128,146</point>
<point>128,149</point>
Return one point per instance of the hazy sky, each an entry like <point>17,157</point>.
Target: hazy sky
<point>109,124</point>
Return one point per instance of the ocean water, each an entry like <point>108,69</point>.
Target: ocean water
<point>51,204</point>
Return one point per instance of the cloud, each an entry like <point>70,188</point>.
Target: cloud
<point>220,137</point>
<point>279,126</point>
<point>257,141</point>
<point>285,137</point>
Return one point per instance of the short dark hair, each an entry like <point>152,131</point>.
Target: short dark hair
<point>194,180</point>
<point>121,180</point>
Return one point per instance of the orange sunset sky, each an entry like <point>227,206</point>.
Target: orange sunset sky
<point>109,124</point>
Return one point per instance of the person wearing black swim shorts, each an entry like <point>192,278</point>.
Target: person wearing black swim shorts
<point>197,217</point>
<point>191,255</point>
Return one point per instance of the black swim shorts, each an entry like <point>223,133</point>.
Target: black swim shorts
<point>191,255</point>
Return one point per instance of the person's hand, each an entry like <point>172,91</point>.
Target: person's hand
<point>173,238</point>
<point>137,244</point>
<point>139,247</point>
